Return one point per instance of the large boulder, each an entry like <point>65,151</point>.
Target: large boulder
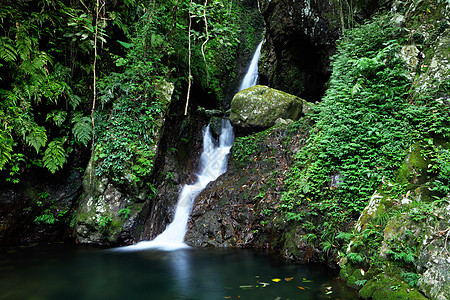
<point>109,211</point>
<point>260,106</point>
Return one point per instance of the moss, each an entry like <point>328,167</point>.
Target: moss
<point>353,278</point>
<point>346,271</point>
<point>388,285</point>
<point>261,106</point>
<point>413,170</point>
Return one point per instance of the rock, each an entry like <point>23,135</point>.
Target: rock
<point>434,256</point>
<point>216,125</point>
<point>239,209</point>
<point>108,211</point>
<point>260,106</point>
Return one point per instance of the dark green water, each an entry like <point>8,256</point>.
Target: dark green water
<point>64,272</point>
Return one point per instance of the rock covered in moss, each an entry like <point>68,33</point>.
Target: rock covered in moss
<point>108,210</point>
<point>260,106</point>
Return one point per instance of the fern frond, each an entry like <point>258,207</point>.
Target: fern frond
<point>57,116</point>
<point>24,45</point>
<point>74,100</point>
<point>36,137</point>
<point>82,129</point>
<point>5,149</point>
<point>7,51</point>
<point>55,156</point>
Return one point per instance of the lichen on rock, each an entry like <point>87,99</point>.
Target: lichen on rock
<point>260,107</point>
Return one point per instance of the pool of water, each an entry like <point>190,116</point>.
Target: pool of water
<point>69,272</point>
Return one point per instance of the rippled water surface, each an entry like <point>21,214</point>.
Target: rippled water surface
<point>66,272</point>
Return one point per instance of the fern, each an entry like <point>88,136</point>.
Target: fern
<point>74,100</point>
<point>5,149</point>
<point>57,116</point>
<point>55,155</point>
<point>25,45</point>
<point>36,138</point>
<point>7,51</point>
<point>82,129</point>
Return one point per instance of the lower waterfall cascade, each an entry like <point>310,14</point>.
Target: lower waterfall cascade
<point>213,163</point>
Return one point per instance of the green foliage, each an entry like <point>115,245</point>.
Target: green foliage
<point>410,278</point>
<point>103,222</point>
<point>441,166</point>
<point>82,128</point>
<point>36,137</point>
<point>124,213</point>
<point>52,212</point>
<point>47,218</point>
<point>246,148</point>
<point>37,88</point>
<point>55,155</point>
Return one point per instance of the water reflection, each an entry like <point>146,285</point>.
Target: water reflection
<point>82,273</point>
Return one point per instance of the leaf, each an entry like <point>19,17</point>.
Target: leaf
<point>300,287</point>
<point>276,280</point>
<point>126,45</point>
<point>82,129</point>
<point>5,149</point>
<point>7,51</point>
<point>246,287</point>
<point>57,116</point>
<point>36,138</point>
<point>55,156</point>
<point>74,100</point>
<point>289,278</point>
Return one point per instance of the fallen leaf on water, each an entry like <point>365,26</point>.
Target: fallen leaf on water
<point>300,287</point>
<point>246,286</point>
<point>289,278</point>
<point>276,280</point>
<point>264,284</point>
<point>329,292</point>
<point>227,297</point>
<point>306,280</point>
<point>328,287</point>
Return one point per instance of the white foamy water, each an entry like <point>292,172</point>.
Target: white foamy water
<point>251,77</point>
<point>213,163</point>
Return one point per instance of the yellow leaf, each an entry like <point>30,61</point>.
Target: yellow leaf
<point>276,280</point>
<point>300,287</point>
<point>308,199</point>
<point>289,278</point>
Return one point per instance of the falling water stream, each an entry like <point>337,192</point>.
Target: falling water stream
<point>213,162</point>
<point>251,77</point>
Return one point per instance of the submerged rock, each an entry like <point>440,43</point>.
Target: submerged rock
<point>261,106</point>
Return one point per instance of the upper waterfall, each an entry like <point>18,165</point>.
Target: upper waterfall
<point>251,77</point>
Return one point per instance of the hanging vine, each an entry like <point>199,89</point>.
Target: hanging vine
<point>189,60</point>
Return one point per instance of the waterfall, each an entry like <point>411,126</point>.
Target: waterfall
<point>213,163</point>
<point>251,77</point>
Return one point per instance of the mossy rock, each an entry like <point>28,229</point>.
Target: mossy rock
<point>387,285</point>
<point>260,106</point>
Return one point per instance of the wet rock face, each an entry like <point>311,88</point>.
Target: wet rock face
<point>300,37</point>
<point>39,208</point>
<point>239,209</point>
